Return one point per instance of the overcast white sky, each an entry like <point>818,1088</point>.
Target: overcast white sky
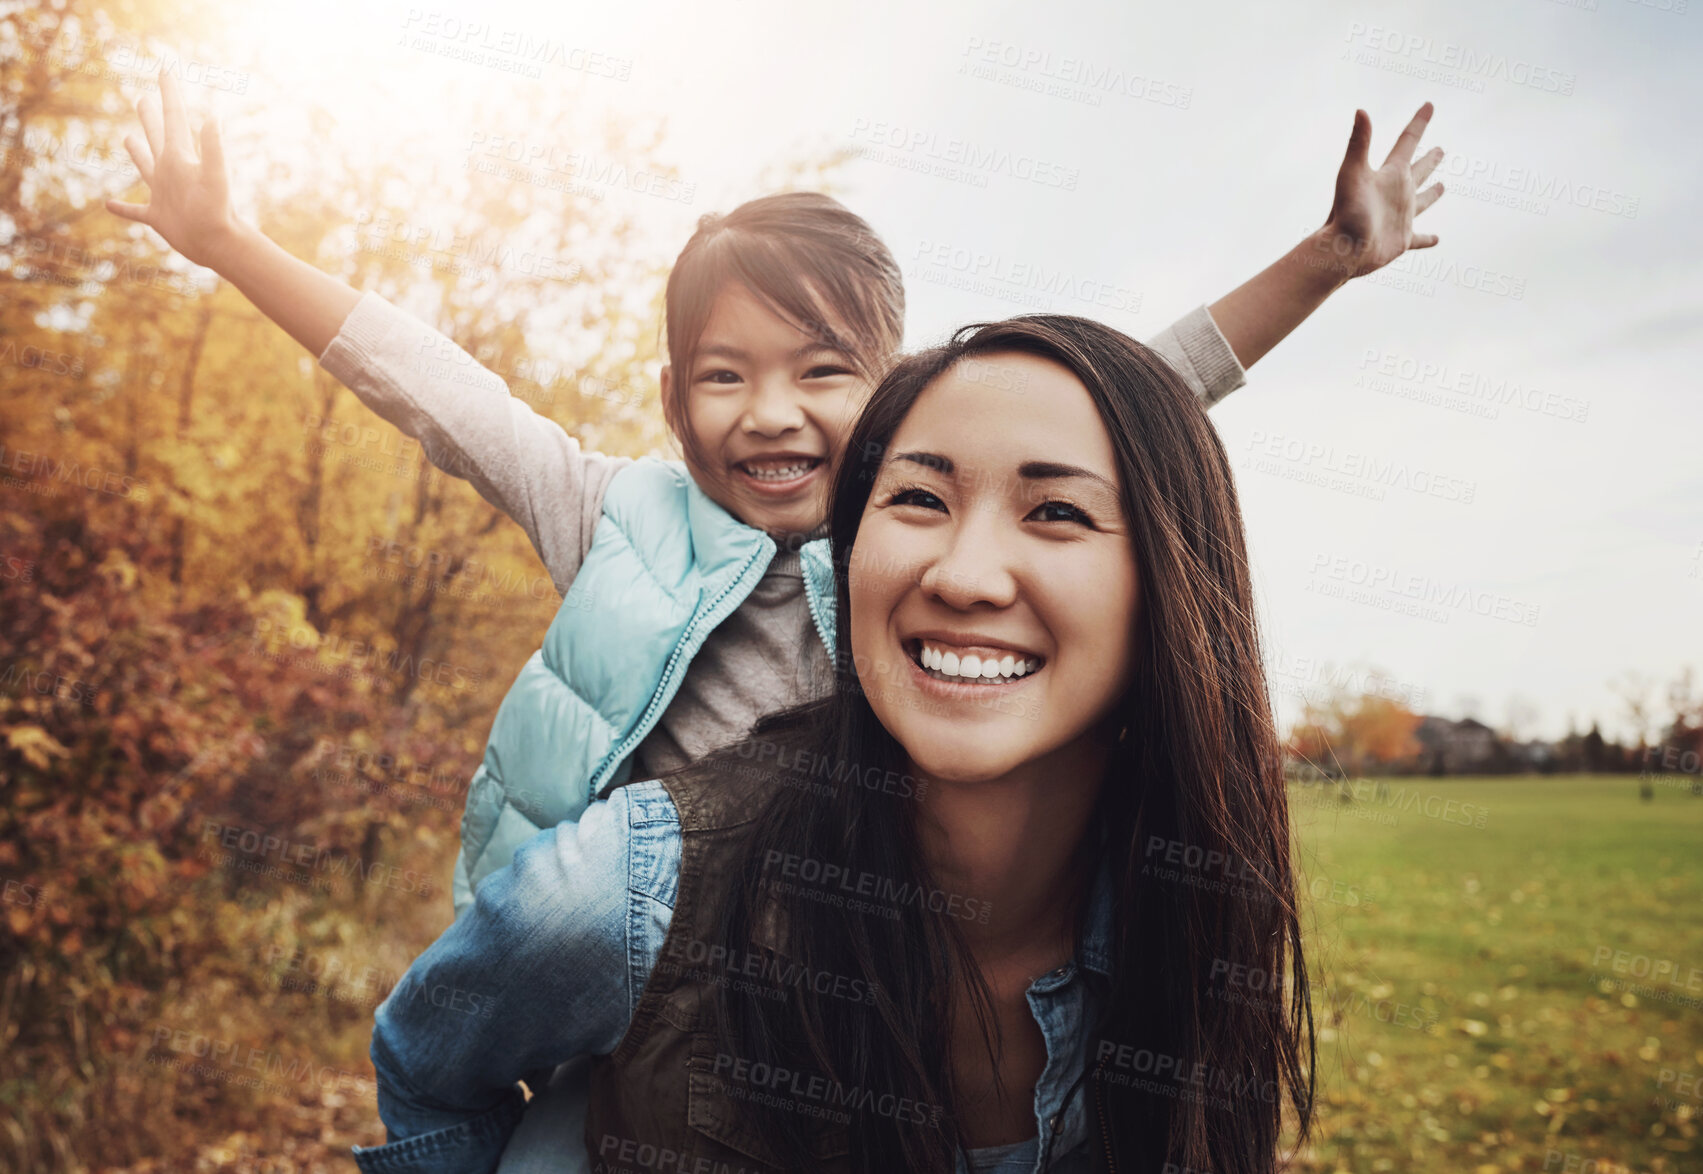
<point>1507,424</point>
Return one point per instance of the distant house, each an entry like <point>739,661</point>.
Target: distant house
<point>1536,755</point>
<point>1467,746</point>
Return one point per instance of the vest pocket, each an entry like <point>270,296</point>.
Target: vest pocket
<point>731,1112</point>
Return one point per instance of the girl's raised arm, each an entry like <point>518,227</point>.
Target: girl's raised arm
<point>189,205</point>
<point>467,423</point>
<point>1370,224</point>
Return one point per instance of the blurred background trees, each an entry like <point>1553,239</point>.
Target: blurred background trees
<point>234,598</point>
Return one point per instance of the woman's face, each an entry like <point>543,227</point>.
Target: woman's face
<point>994,544</point>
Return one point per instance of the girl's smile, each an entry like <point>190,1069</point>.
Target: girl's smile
<point>779,475</point>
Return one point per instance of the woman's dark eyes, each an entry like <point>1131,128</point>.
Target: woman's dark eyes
<point>1055,511</point>
<point>1070,512</point>
<point>826,372</point>
<point>715,376</point>
<point>914,496</point>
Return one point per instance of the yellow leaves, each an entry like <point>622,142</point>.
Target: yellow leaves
<point>37,746</point>
<point>118,569</point>
<point>281,613</point>
<point>1473,1027</point>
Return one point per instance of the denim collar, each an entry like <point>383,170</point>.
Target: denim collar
<point>1096,951</point>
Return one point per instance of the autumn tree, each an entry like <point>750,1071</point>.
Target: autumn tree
<point>220,577</point>
<point>1350,733</point>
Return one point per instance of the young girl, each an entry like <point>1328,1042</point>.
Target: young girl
<point>697,595</point>
<point>1018,964</point>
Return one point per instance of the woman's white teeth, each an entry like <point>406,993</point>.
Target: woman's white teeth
<point>950,664</point>
<point>773,472</point>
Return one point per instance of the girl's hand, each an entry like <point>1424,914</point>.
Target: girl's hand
<point>1371,220</point>
<point>188,193</point>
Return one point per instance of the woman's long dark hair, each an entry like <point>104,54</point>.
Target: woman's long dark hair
<point>1207,1028</point>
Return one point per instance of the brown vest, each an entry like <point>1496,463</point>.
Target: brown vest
<point>658,1102</point>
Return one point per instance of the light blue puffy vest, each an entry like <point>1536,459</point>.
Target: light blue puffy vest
<point>666,565</point>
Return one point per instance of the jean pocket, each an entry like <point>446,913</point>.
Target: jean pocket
<point>732,1111</point>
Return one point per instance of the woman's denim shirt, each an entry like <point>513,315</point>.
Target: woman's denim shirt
<point>549,964</point>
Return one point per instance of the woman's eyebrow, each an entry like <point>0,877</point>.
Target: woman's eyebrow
<point>932,460</point>
<point>1048,470</point>
<point>1028,470</point>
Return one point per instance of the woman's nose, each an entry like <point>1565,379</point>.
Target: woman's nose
<point>975,566</point>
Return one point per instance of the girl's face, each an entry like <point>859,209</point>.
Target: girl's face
<point>770,407</point>
<point>993,585</point>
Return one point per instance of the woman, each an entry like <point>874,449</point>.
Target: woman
<point>971,910</point>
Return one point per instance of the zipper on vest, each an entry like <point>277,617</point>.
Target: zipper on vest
<point>810,596</point>
<point>656,703</point>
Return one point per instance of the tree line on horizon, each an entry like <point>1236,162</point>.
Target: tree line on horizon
<point>1350,733</point>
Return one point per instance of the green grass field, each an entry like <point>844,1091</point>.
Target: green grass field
<point>1508,975</point>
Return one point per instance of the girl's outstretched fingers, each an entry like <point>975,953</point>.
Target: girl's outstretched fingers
<point>212,146</point>
<point>136,212</point>
<point>1408,142</point>
<point>1359,142</point>
<point>176,114</point>
<point>1426,165</point>
<point>153,124</point>
<point>140,156</point>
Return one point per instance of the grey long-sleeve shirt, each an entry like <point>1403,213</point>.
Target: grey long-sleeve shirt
<point>763,657</point>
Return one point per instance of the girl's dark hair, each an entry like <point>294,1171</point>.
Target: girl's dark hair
<point>1192,829</point>
<point>806,256</point>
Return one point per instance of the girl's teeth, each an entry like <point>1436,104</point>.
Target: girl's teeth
<point>950,664</point>
<point>778,472</point>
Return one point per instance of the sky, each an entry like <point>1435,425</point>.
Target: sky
<point>1471,481</point>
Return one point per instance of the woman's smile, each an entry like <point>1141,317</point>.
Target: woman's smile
<point>970,661</point>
